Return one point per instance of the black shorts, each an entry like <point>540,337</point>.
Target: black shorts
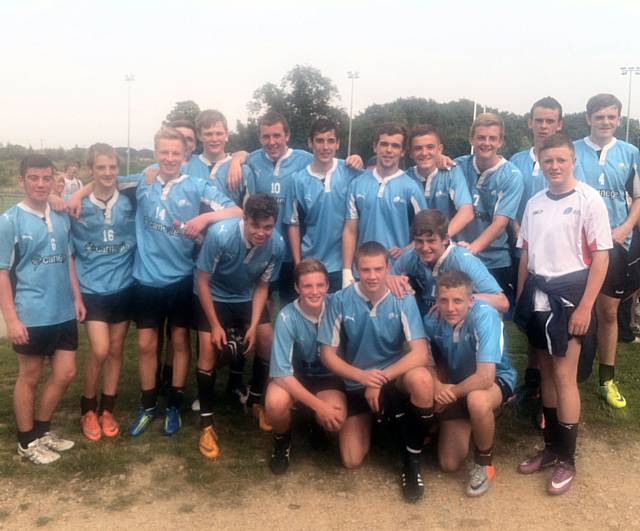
<point>112,308</point>
<point>230,314</point>
<point>335,281</point>
<point>459,409</point>
<point>537,330</point>
<point>317,384</point>
<point>507,278</point>
<point>622,274</point>
<point>391,400</point>
<point>616,279</point>
<point>284,285</point>
<point>633,265</point>
<point>155,304</point>
<point>45,340</point>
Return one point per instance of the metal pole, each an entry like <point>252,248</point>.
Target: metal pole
<point>129,78</point>
<point>630,71</point>
<point>626,138</point>
<point>475,112</point>
<point>352,75</point>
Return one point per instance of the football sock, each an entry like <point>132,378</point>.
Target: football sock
<point>606,372</point>
<point>88,404</point>
<point>107,403</point>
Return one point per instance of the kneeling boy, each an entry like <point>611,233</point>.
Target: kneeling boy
<point>472,378</point>
<point>296,371</point>
<point>375,325</point>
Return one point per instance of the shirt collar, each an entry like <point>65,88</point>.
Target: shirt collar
<point>242,237</point>
<point>596,147</point>
<point>385,179</point>
<point>420,177</point>
<point>314,320</point>
<point>440,261</point>
<point>107,206</point>
<point>46,215</point>
<point>329,173</point>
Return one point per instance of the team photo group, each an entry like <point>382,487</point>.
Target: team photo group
<point>363,294</point>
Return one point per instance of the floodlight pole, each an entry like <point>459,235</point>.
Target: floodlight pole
<point>129,78</point>
<point>631,70</point>
<point>352,75</point>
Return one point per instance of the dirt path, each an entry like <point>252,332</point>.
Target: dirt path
<point>156,496</point>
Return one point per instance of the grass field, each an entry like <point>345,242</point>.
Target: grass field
<point>244,448</point>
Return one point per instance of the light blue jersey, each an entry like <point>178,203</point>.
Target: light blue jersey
<point>164,255</point>
<point>374,334</point>
<point>533,178</point>
<point>295,349</point>
<point>477,339</point>
<point>495,192</point>
<point>236,266</point>
<point>444,190</point>
<point>200,166</point>
<point>37,246</point>
<point>275,179</point>
<point>318,204</point>
<point>384,208</point>
<point>454,258</point>
<point>104,244</point>
<point>613,171</point>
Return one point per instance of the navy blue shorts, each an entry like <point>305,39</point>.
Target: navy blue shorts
<point>45,340</point>
<point>111,308</point>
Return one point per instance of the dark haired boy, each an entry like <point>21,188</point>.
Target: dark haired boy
<point>611,167</point>
<point>316,205</point>
<point>238,260</point>
<point>362,339</point>
<point>382,202</point>
<point>434,254</point>
<point>40,301</point>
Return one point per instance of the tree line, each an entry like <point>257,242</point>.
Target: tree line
<point>304,94</point>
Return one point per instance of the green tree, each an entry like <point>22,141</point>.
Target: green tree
<point>302,96</point>
<point>183,110</point>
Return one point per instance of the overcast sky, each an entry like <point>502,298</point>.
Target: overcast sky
<point>64,62</point>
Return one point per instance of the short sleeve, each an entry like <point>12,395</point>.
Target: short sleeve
<point>416,197</point>
<point>489,334</point>
<point>411,319</point>
<point>282,349</point>
<point>208,257</point>
<point>352,207</point>
<point>483,281</point>
<point>458,189</point>
<point>331,323</point>
<point>597,228</point>
<point>213,197</point>
<point>524,229</point>
<point>276,259</point>
<point>510,193</point>
<point>8,241</point>
<point>400,266</point>
<point>130,181</point>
